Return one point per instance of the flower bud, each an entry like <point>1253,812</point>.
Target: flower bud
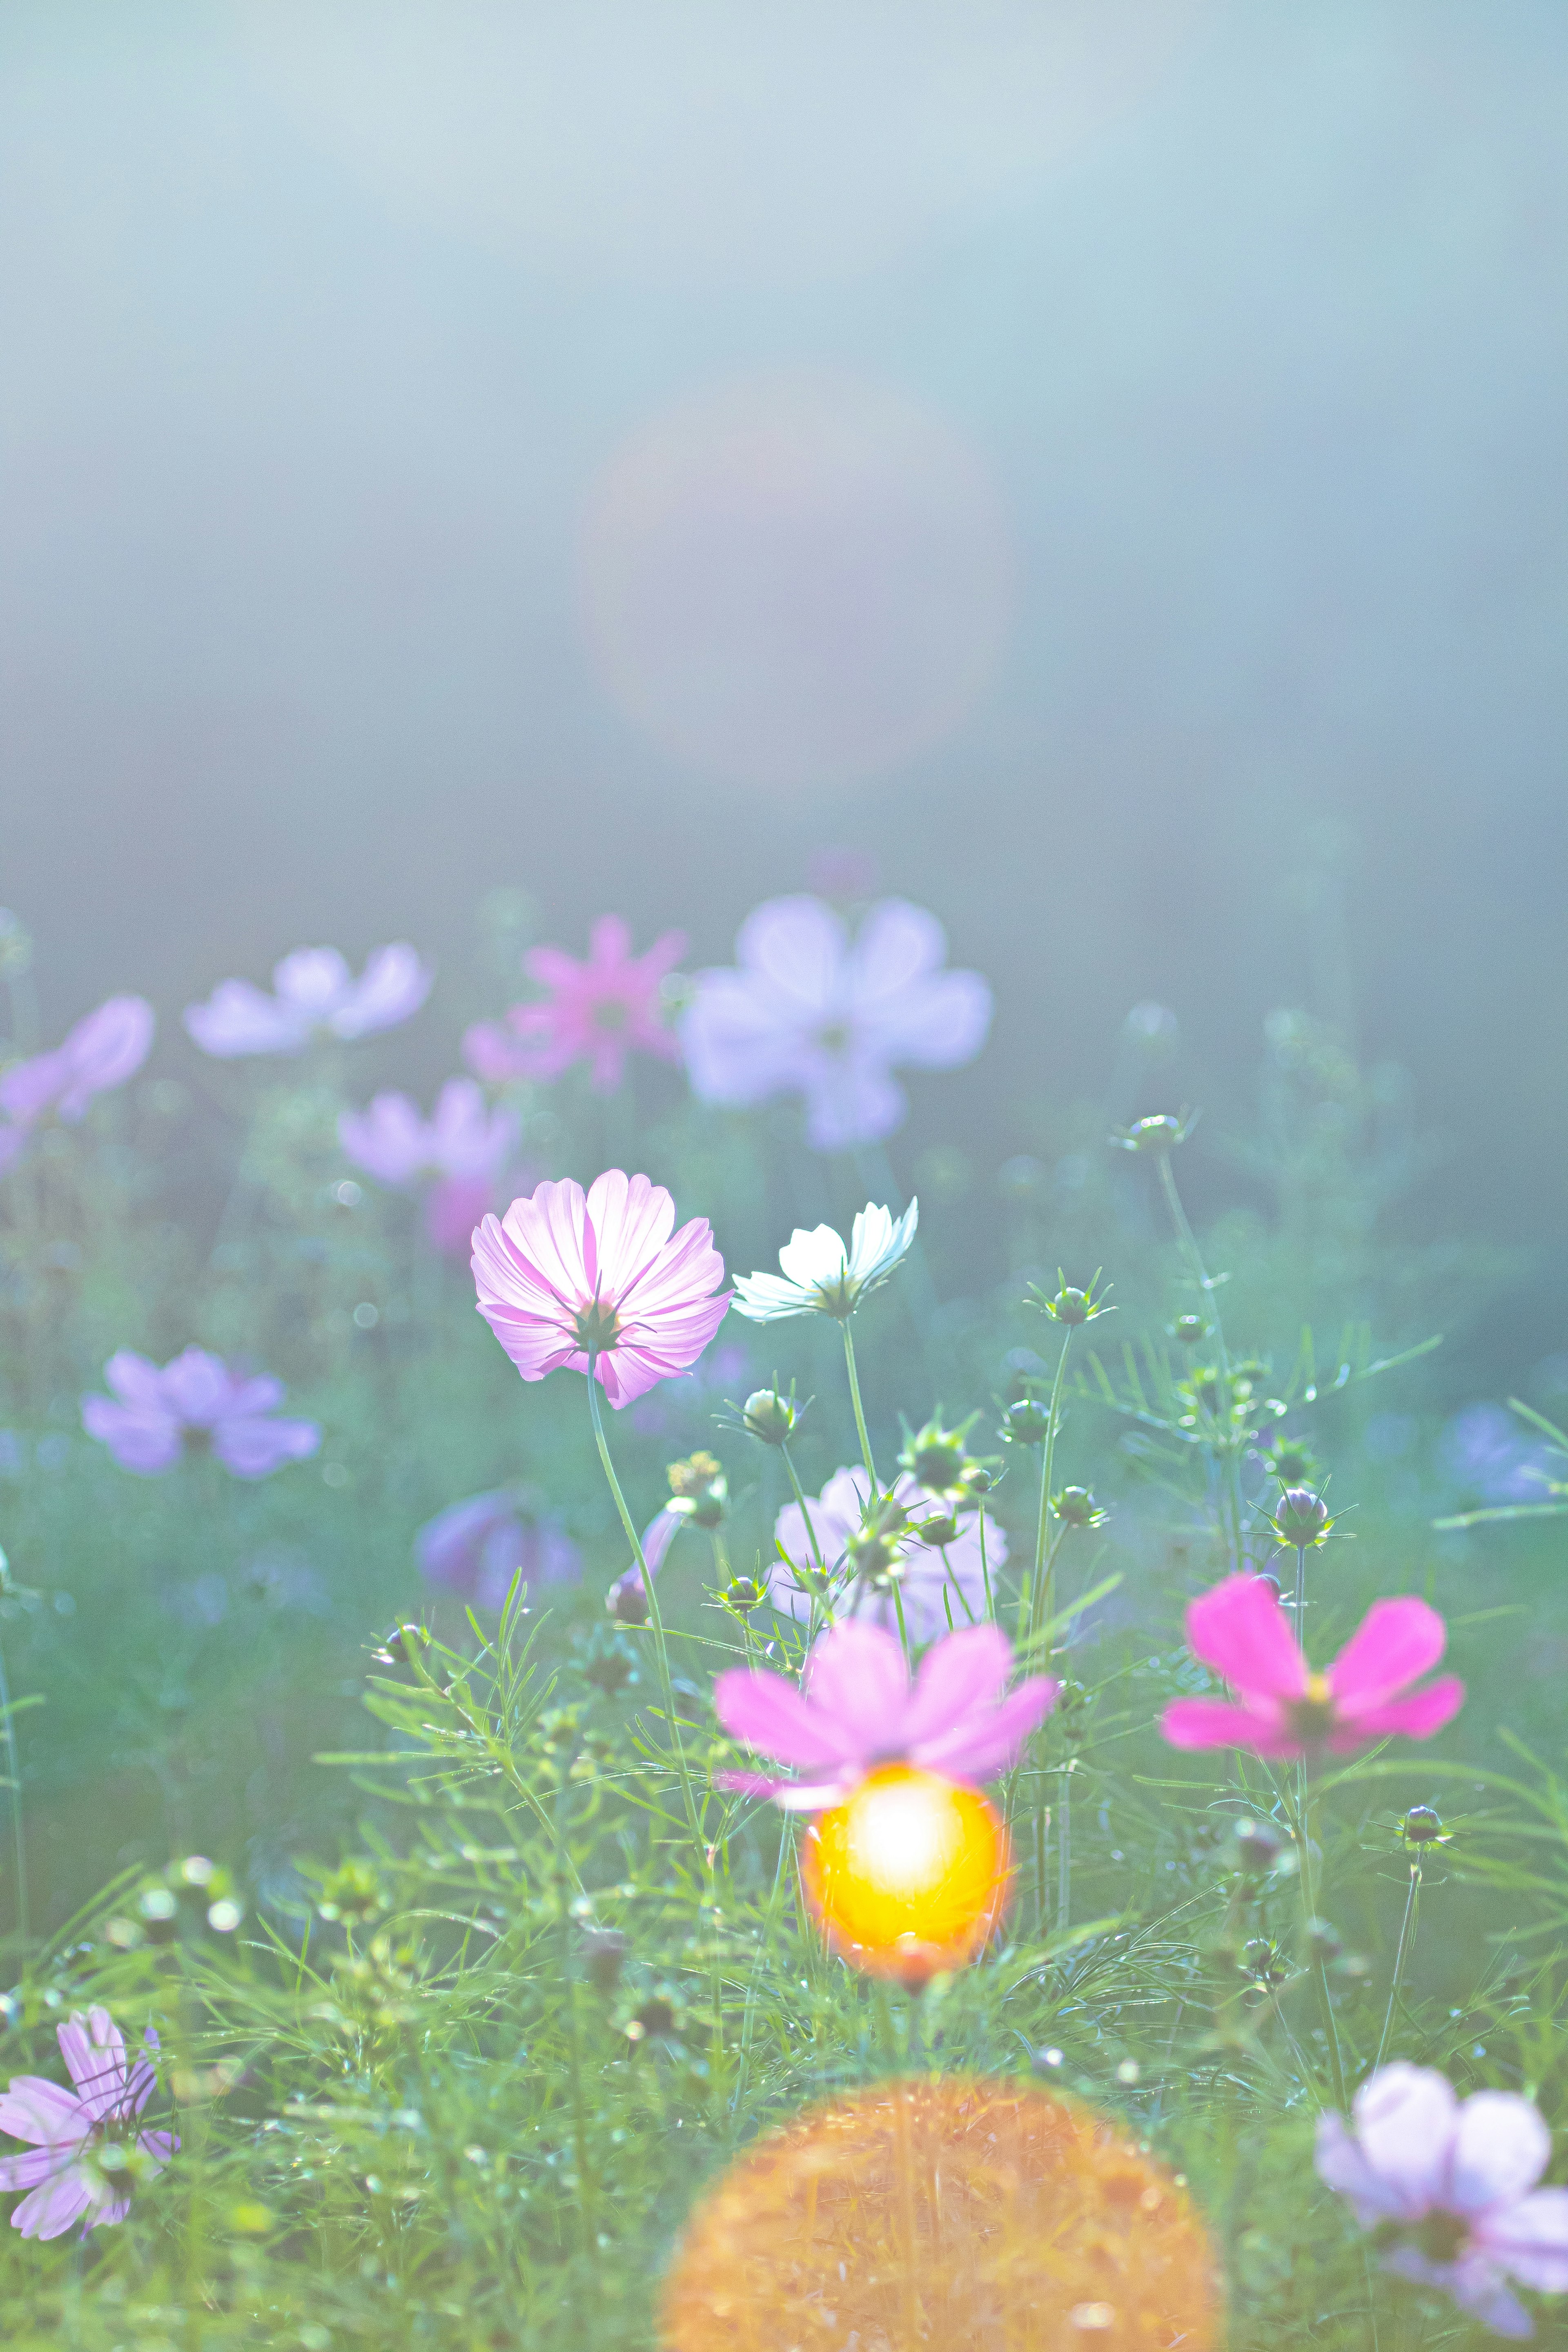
<point>976,1479</point>
<point>874,1547</point>
<point>1302,1517</point>
<point>1421,1825</point>
<point>1162,1133</point>
<point>1260,1960</point>
<point>1257,1846</point>
<point>769,1416</point>
<point>1076,1507</point>
<point>626,1599</point>
<point>609,1665</point>
<point>743,1594</point>
<point>1026,1422</point>
<point>1189,1331</point>
<point>700,1491</point>
<point>401,1647</point>
<point>1292,1462</point>
<point>935,1458</point>
<point>938,1531</point>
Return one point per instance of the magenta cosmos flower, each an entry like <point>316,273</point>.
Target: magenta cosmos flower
<point>938,1586</point>
<point>809,1012</point>
<point>595,1012</point>
<point>463,1146</point>
<point>1450,2182</point>
<point>105,1048</point>
<point>71,2133</point>
<point>1281,1708</point>
<point>858,1709</point>
<point>565,1279</point>
<point>157,1412</point>
<point>316,995</point>
<point>478,1547</point>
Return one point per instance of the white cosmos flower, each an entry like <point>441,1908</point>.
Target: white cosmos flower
<point>820,1277</point>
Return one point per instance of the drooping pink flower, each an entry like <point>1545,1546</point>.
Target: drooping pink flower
<point>475,1548</point>
<point>858,1709</point>
<point>70,2134</point>
<point>809,1012</point>
<point>567,1280</point>
<point>463,1146</point>
<point>1452,2181</point>
<point>106,1047</point>
<point>157,1412</point>
<point>316,995</point>
<point>595,1012</point>
<point>626,1599</point>
<point>1281,1708</point>
<point>938,1586</point>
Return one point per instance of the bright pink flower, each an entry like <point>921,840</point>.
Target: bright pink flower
<point>562,1280</point>
<point>595,1012</point>
<point>475,1548</point>
<point>1282,1708</point>
<point>104,1049</point>
<point>69,2136</point>
<point>157,1410</point>
<point>316,995</point>
<point>858,1709</point>
<point>1452,2183</point>
<point>809,1012</point>
<point>931,1580</point>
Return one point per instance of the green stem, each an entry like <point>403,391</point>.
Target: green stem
<point>804,1510</point>
<point>1300,1824</point>
<point>1064,1852</point>
<point>14,1773</point>
<point>1188,1242</point>
<point>860,1412</point>
<point>1034,1610</point>
<point>1401,1958</point>
<point>655,1623</point>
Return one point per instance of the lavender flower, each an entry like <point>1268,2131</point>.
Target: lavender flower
<point>1450,2184</point>
<point>810,1013</point>
<point>463,1146</point>
<point>316,996</point>
<point>157,1412</point>
<point>105,1048</point>
<point>476,1547</point>
<point>71,2170</point>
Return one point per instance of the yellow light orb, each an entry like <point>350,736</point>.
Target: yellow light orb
<point>945,2216</point>
<point>910,1876</point>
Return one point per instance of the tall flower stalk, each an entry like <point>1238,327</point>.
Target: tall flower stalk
<point>14,1779</point>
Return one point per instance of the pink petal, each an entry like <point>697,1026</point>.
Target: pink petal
<point>255,1448</point>
<point>1213,1723</point>
<point>1416,1718</point>
<point>1406,2119</point>
<point>1500,2150</point>
<point>40,2164</point>
<point>1396,1641</point>
<point>148,1444</point>
<point>850,1099</point>
<point>959,1677</point>
<point>238,1018</point>
<point>1530,2238</point>
<point>1241,1630</point>
<point>49,2211</point>
<point>769,1714</point>
<point>632,1218</point>
<point>985,1744</point>
<point>1341,2165</point>
<point>135,1379</point>
<point>856,1674</point>
<point>895,946</point>
<point>790,1796</point>
<point>799,948</point>
<point>34,2108</point>
<point>94,2051</point>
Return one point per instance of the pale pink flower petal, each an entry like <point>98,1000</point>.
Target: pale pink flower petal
<point>1341,2165</point>
<point>938,1587</point>
<point>1395,1643</point>
<point>597,1012</point>
<point>1216,1723</point>
<point>857,1676</point>
<point>146,1443</point>
<point>1500,2149</point>
<point>392,986</point>
<point>32,2108</point>
<point>239,1018</point>
<point>980,1744</point>
<point>106,1047</point>
<point>1418,1717</point>
<point>1406,2119</point>
<point>1241,1630</point>
<point>769,1714</point>
<point>49,2211</point>
<point>316,994</point>
<point>195,1397</point>
<point>255,1448</point>
<point>1530,2238</point>
<point>967,1671</point>
<point>94,2051</point>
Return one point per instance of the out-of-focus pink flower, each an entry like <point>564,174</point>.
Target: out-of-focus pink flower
<point>720,1374</point>
<point>1281,1708</point>
<point>809,1012</point>
<point>316,995</point>
<point>567,1280</point>
<point>626,1599</point>
<point>476,1547</point>
<point>595,1012</point>
<point>156,1411</point>
<point>859,1710</point>
<point>70,2135</point>
<point>463,1146</point>
<point>105,1048</point>
<point>1453,2182</point>
<point>938,1587</point>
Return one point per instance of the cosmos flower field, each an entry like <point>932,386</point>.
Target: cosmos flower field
<point>608,1746</point>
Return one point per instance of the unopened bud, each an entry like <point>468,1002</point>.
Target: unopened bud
<point>1026,1422</point>
<point>1421,1825</point>
<point>401,1646</point>
<point>1162,1133</point>
<point>743,1594</point>
<point>626,1599</point>
<point>1302,1517</point>
<point>938,1531</point>
<point>1189,1331</point>
<point>770,1416</point>
<point>1076,1507</point>
<point>1258,1845</point>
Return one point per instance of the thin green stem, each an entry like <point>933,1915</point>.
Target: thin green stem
<point>1035,1608</point>
<point>14,1774</point>
<point>860,1412</point>
<point>804,1510</point>
<point>1063,1850</point>
<point>655,1623</point>
<point>1401,1961</point>
<point>1187,1241</point>
<point>1301,1826</point>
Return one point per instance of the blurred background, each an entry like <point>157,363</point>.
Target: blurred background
<point>1100,460</point>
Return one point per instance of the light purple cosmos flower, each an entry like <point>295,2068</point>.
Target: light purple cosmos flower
<point>71,2135</point>
<point>475,1548</point>
<point>1451,2183</point>
<point>938,1586</point>
<point>809,1012</point>
<point>105,1048</point>
<point>316,996</point>
<point>464,1145</point>
<point>858,1709</point>
<point>157,1411</point>
<point>1492,1458</point>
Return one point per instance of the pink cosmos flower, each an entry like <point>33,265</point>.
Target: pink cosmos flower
<point>156,1411</point>
<point>808,1011</point>
<point>105,1048</point>
<point>1452,2182</point>
<point>1282,1708</point>
<point>316,996</point>
<point>70,2136</point>
<point>595,1012</point>
<point>475,1548</point>
<point>932,1578</point>
<point>626,1599</point>
<point>567,1280</point>
<point>463,1146</point>
<point>858,1709</point>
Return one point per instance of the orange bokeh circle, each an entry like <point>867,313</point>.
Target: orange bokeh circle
<point>945,2216</point>
<point>910,1876</point>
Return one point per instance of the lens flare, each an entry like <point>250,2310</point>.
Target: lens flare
<point>944,2217</point>
<point>908,1876</point>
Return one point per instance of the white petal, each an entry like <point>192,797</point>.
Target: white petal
<point>1500,2150</point>
<point>813,1258</point>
